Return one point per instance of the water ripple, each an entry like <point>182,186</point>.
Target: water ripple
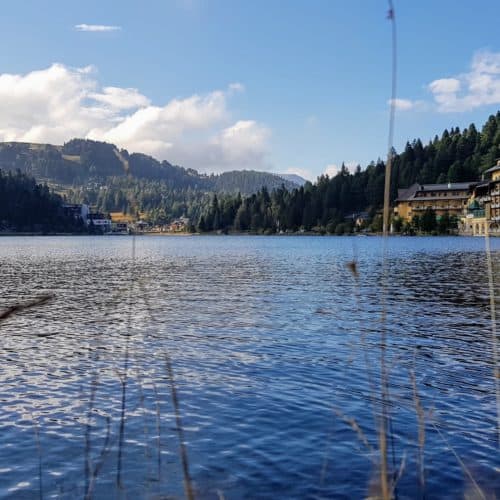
<point>271,340</point>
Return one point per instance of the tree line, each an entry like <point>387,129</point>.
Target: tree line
<point>331,204</point>
<point>28,206</point>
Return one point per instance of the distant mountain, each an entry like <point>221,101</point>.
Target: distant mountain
<point>294,179</point>
<point>81,161</point>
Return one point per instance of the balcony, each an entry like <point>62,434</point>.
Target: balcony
<point>437,207</point>
<point>476,214</point>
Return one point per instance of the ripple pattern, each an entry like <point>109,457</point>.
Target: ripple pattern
<point>275,348</point>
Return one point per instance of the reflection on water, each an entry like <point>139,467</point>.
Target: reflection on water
<point>272,341</point>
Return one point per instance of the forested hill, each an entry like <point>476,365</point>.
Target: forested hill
<point>455,156</point>
<point>327,204</point>
<point>81,162</point>
<point>249,181</point>
<point>99,174</point>
<point>28,206</point>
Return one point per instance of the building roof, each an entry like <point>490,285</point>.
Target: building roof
<point>410,193</point>
<point>493,169</point>
<point>407,193</point>
<point>451,186</point>
<point>120,217</point>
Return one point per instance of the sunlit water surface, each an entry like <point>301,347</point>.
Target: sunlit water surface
<point>276,351</point>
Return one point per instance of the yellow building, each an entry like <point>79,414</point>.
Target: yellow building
<point>121,217</point>
<point>483,208</point>
<point>494,192</point>
<point>451,199</point>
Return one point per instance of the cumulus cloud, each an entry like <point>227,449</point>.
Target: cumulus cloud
<point>58,103</point>
<point>480,86</point>
<point>444,86</point>
<point>401,104</point>
<point>408,105</point>
<point>243,143</point>
<point>99,28</point>
<point>118,98</point>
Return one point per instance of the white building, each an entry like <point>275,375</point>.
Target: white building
<point>77,210</point>
<point>99,221</point>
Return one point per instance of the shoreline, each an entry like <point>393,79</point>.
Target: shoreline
<point>215,233</point>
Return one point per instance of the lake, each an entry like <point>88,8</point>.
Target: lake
<point>262,354</point>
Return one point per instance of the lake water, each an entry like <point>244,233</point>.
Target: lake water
<point>275,353</point>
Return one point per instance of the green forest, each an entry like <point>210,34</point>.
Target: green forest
<point>329,204</point>
<point>28,206</point>
<point>98,174</point>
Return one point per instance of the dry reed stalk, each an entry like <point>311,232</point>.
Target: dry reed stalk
<point>188,484</point>
<point>158,428</point>
<point>461,462</point>
<point>121,438</point>
<point>142,399</point>
<point>188,487</point>
<point>353,424</point>
<point>43,299</point>
<point>387,182</point>
<point>102,457</point>
<point>88,430</point>
<point>399,475</point>
<point>384,381</point>
<point>124,377</point>
<point>494,338</point>
<point>421,431</point>
<point>36,429</point>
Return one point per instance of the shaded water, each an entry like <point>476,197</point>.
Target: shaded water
<point>272,340</point>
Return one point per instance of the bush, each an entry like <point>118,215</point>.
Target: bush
<point>330,228</point>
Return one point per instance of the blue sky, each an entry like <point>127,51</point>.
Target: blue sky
<point>214,85</point>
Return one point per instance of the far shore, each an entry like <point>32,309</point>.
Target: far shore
<point>219,233</point>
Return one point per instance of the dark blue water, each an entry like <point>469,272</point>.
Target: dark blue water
<point>275,348</point>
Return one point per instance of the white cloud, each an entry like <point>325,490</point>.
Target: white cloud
<point>100,28</point>
<point>444,86</point>
<point>401,104</point>
<point>243,143</point>
<point>236,87</point>
<point>58,103</point>
<point>118,98</point>
<point>333,169</point>
<point>408,105</point>
<point>478,87</point>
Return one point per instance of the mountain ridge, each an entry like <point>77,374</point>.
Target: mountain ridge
<point>80,161</point>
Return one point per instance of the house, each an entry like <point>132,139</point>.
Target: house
<point>120,222</point>
<point>180,224</point>
<point>493,197</point>
<point>359,219</point>
<point>99,221</point>
<point>76,210</point>
<point>119,227</point>
<point>121,217</point>
<point>451,199</point>
<point>482,214</point>
<point>141,225</point>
